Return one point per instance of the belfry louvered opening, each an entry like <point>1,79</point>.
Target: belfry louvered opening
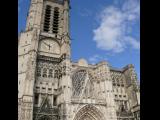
<point>47,18</point>
<point>55,24</point>
<point>51,20</point>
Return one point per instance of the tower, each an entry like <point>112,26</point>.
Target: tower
<point>43,61</point>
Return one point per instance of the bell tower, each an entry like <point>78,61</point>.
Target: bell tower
<point>44,62</point>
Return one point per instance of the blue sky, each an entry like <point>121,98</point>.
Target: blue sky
<point>101,30</point>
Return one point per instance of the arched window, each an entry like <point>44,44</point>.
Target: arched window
<point>45,72</point>
<point>47,18</point>
<point>56,74</point>
<point>55,20</point>
<point>50,73</point>
<point>38,71</point>
<point>78,80</point>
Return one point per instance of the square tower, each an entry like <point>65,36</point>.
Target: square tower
<point>43,57</point>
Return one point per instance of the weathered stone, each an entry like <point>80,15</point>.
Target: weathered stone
<point>52,87</point>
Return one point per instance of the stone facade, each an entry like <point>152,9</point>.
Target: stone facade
<point>52,87</point>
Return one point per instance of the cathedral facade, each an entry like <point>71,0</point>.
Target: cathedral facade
<point>52,87</point>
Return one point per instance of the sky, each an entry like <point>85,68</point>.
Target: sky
<point>101,30</point>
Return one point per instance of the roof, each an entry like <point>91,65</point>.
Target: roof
<point>116,69</point>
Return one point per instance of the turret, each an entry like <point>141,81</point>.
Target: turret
<point>34,15</point>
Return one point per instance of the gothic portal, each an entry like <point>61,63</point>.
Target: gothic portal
<point>89,112</point>
<point>52,87</point>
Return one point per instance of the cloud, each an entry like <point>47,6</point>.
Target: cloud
<point>115,32</point>
<point>132,42</point>
<point>96,58</point>
<point>86,13</point>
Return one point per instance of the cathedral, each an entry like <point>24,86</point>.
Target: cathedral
<point>52,87</point>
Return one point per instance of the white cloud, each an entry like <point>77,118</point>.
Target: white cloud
<point>112,34</point>
<point>132,42</point>
<point>86,13</point>
<point>96,58</point>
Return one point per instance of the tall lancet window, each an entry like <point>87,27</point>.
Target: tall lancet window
<point>47,18</point>
<point>45,72</point>
<point>38,71</point>
<point>55,20</point>
<point>50,73</point>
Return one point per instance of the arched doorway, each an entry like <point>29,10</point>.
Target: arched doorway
<point>89,112</point>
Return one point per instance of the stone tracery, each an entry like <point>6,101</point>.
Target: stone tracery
<point>78,80</point>
<point>117,78</point>
<point>49,70</point>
